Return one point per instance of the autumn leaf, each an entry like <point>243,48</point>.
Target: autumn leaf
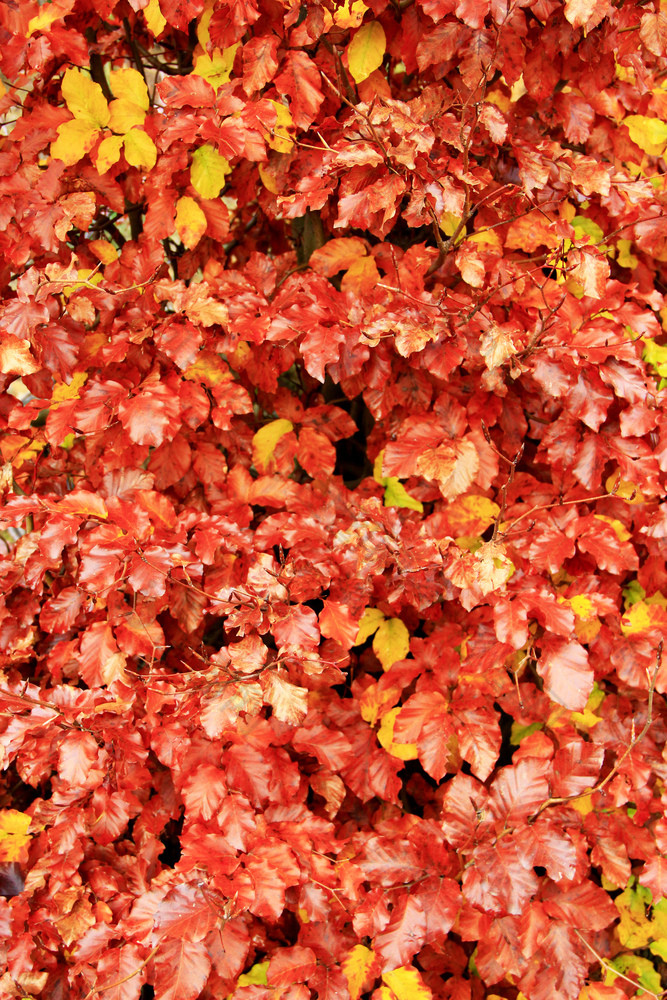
<point>14,836</point>
<point>266,438</point>
<point>357,966</point>
<point>366,50</point>
<point>406,983</point>
<point>87,103</point>
<point>190,221</point>
<point>217,67</point>
<point>208,171</point>
<point>391,642</point>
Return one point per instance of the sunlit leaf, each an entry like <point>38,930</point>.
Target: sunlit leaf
<point>140,150</point>
<point>266,438</point>
<point>366,50</point>
<point>190,221</point>
<point>208,171</point>
<point>391,642</point>
<point>14,836</point>
<point>129,85</point>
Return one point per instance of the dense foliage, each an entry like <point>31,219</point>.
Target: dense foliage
<point>334,440</point>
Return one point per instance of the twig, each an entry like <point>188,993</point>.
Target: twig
<point>610,968</point>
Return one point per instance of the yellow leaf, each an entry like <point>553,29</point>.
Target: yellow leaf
<point>391,642</point>
<point>356,967</point>
<point>350,15</point>
<point>587,719</point>
<point>449,222</point>
<point>582,606</point>
<point>129,85</point>
<point>623,489</point>
<point>643,616</point>
<point>63,391</point>
<point>155,19</point>
<point>366,50</point>
<point>267,179</point>
<point>108,153</point>
<point>14,835</point>
<point>208,171</point>
<point>46,17</point>
<point>265,440</point>
<point>104,251</point>
<point>650,134</point>
<point>208,368</point>
<point>280,138</point>
<point>469,515</point>
<point>620,530</point>
<point>406,983</point>
<point>217,68</point>
<point>256,976</point>
<point>376,700</point>
<point>84,98</point>
<point>140,150</point>
<point>395,495</point>
<point>124,115</point>
<point>583,805</point>
<point>625,258</point>
<point>75,139</point>
<point>371,620</point>
<point>190,221</point>
<point>203,32</point>
<point>385,734</point>
<point>634,930</point>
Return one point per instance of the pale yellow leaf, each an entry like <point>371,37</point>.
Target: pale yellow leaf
<point>216,68</point>
<point>190,221</point>
<point>129,85</point>
<point>391,642</point>
<point>650,134</point>
<point>366,50</point>
<point>14,835</point>
<point>84,98</point>
<point>385,735</point>
<point>350,14</point>
<point>140,150</point>
<point>356,967</point>
<point>208,171</point>
<point>124,115</point>
<point>406,983</point>
<point>625,258</point>
<point>75,138</point>
<point>265,440</point>
<point>43,21</point>
<point>280,139</point>
<point>371,620</point>
<point>155,19</point>
<point>16,357</point>
<point>108,153</point>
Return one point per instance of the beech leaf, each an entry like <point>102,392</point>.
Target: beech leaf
<point>366,50</point>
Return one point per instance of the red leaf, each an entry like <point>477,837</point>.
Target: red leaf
<point>564,668</point>
<point>300,80</point>
<point>403,936</point>
<point>181,969</point>
<point>291,965</point>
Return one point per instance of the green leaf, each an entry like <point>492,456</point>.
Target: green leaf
<point>395,495</point>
